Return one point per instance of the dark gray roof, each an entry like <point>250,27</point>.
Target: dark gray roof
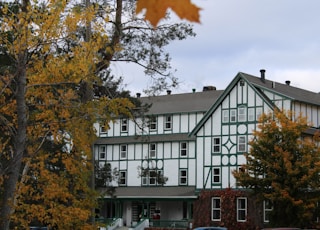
<point>164,192</point>
<point>292,92</point>
<point>182,103</point>
<point>147,138</point>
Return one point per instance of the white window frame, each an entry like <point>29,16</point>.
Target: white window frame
<point>242,143</point>
<point>267,208</point>
<point>183,149</point>
<point>153,125</point>
<point>124,125</point>
<point>233,115</point>
<point>123,151</point>
<point>167,122</point>
<point>183,176</point>
<point>103,129</point>
<point>216,145</point>
<point>152,150</point>
<point>102,152</point>
<point>225,116</point>
<point>151,180</point>
<point>258,113</point>
<point>251,116</point>
<point>216,208</point>
<point>122,178</point>
<point>216,174</point>
<point>242,116</point>
<point>242,211</point>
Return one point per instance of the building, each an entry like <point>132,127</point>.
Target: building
<point>195,140</point>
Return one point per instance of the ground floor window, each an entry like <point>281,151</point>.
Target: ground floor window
<point>216,208</point>
<point>267,208</point>
<point>241,209</point>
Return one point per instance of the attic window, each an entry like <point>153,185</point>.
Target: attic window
<point>241,82</point>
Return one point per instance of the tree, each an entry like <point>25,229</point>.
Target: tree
<point>46,98</point>
<point>283,166</point>
<point>54,86</point>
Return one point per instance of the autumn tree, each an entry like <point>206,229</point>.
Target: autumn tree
<point>46,98</point>
<point>283,167</point>
<point>54,86</point>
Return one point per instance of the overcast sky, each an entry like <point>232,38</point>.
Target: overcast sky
<point>280,36</point>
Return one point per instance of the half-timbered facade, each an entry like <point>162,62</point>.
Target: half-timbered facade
<point>195,140</point>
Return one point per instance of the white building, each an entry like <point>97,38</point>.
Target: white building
<point>195,140</point>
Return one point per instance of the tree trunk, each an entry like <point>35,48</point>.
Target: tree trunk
<point>11,179</point>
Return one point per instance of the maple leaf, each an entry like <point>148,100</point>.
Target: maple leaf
<point>156,9</point>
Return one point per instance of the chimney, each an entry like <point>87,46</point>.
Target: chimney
<point>168,92</point>
<point>262,72</point>
<point>288,82</point>
<point>193,90</point>
<point>138,95</point>
<point>209,88</point>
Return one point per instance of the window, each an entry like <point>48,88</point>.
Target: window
<point>151,178</point>
<point>216,175</point>
<point>152,151</point>
<point>241,114</point>
<point>122,178</point>
<point>183,149</point>
<point>258,113</point>
<point>168,122</point>
<point>123,151</point>
<point>103,129</point>
<point>216,208</point>
<point>153,123</point>
<point>233,115</point>
<point>242,144</point>
<point>267,208</point>
<point>183,176</point>
<point>102,152</point>
<point>225,116</point>
<point>216,145</point>
<point>251,114</point>
<point>241,209</point>
<point>124,125</point>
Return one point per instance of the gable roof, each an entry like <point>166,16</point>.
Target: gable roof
<point>294,93</point>
<point>257,84</point>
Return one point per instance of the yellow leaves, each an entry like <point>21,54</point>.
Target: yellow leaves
<point>156,9</point>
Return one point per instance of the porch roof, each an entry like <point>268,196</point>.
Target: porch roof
<point>165,192</point>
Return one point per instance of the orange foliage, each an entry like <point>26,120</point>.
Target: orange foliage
<point>156,9</point>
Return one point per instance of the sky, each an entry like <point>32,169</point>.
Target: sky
<point>280,36</point>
